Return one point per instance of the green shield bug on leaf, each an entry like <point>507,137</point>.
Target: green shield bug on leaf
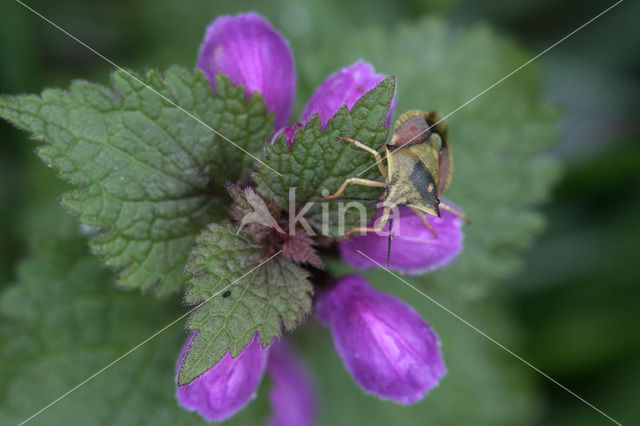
<point>419,166</point>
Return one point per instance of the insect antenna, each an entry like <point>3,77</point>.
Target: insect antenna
<point>389,241</point>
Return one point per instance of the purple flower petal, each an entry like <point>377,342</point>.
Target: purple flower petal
<point>292,396</point>
<point>414,248</point>
<point>344,87</point>
<point>289,132</point>
<point>250,52</point>
<point>228,386</point>
<point>385,345</point>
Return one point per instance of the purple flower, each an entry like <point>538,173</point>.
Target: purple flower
<point>414,248</point>
<point>227,386</point>
<point>385,345</point>
<point>344,87</point>
<point>292,397</point>
<point>250,52</point>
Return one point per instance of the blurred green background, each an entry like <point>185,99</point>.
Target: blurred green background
<point>574,307</point>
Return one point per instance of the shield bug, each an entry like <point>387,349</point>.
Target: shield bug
<point>419,166</point>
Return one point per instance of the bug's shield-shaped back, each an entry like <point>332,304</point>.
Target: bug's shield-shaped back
<point>413,179</point>
<point>416,127</point>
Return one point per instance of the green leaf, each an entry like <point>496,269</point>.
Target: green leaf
<point>266,296</point>
<point>148,173</point>
<point>63,320</point>
<point>499,140</point>
<point>318,161</point>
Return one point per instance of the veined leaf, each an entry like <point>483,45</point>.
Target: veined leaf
<point>263,295</point>
<point>318,161</point>
<point>62,321</point>
<point>149,174</point>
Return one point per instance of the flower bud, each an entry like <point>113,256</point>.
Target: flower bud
<point>292,397</point>
<point>250,52</point>
<point>226,387</point>
<point>385,345</point>
<point>414,248</point>
<point>344,87</point>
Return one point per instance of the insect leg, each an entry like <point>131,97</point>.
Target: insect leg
<point>354,181</point>
<point>445,206</point>
<point>383,222</point>
<point>424,220</point>
<point>372,151</point>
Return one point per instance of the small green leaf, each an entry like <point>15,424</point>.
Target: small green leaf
<point>266,296</point>
<point>318,161</point>
<point>149,174</point>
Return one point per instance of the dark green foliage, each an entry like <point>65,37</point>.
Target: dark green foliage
<point>149,174</point>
